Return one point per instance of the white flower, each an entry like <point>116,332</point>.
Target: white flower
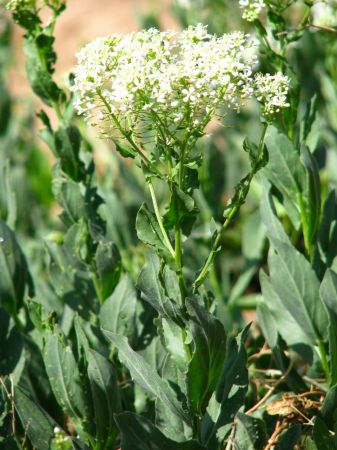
<point>163,80</point>
<point>271,91</point>
<point>251,9</point>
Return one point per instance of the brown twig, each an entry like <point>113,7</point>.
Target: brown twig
<point>280,426</point>
<point>306,27</point>
<point>271,390</point>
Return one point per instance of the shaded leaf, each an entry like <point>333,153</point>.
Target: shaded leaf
<point>36,422</point>
<point>208,357</point>
<point>230,392</point>
<point>105,396</point>
<point>139,433</point>
<point>13,269</point>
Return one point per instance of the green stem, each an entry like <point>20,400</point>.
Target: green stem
<point>324,360</point>
<point>159,219</point>
<point>178,260</point>
<point>123,132</point>
<point>95,282</point>
<point>232,212</point>
<point>178,247</point>
<point>307,241</point>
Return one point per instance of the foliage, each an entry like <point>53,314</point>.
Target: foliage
<point>124,322</point>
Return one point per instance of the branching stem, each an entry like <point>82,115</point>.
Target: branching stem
<point>232,212</point>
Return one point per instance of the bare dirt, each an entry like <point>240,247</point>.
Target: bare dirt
<point>85,20</point>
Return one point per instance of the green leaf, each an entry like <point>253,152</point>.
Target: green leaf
<point>182,211</point>
<point>67,144</point>
<point>285,171</point>
<point>272,224</point>
<point>296,285</point>
<point>267,323</point>
<point>309,118</point>
<point>290,438</point>
<point>11,347</point>
<point>322,437</point>
<point>328,294</point>
<point>143,375</point>
<point>250,433</point>
<point>257,162</point>
<point>327,234</point>
<point>117,314</point>
<point>108,266</point>
<point>38,52</point>
<point>68,194</point>
<point>36,422</point>
<point>5,107</point>
<point>125,150</point>
<point>168,422</point>
<point>149,283</point>
<point>149,232</point>
<point>282,319</point>
<point>230,392</point>
<point>65,378</point>
<point>208,357</point>
<point>105,396</point>
<point>329,407</point>
<point>139,433</point>
<point>311,197</point>
<point>173,336</point>
<point>13,269</point>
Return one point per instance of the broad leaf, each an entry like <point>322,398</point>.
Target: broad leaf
<point>36,51</point>
<point>139,433</point>
<point>117,314</point>
<point>327,234</point>
<point>150,284</point>
<point>11,347</point>
<point>168,422</point>
<point>285,171</point>
<point>250,433</point>
<point>209,351</point>
<point>65,378</point>
<point>282,319</point>
<point>230,392</point>
<point>105,396</point>
<point>146,377</point>
<point>328,294</point>
<point>149,232</point>
<point>297,287</point>
<point>36,422</point>
<point>13,269</point>
<point>108,266</point>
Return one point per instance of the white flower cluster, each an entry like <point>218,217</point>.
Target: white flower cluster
<point>251,9</point>
<point>178,80</point>
<point>271,91</point>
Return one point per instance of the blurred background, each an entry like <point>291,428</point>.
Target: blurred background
<point>87,19</point>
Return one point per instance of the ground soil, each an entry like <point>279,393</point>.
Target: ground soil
<point>83,21</point>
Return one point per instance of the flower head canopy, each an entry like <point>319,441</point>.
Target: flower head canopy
<point>167,81</point>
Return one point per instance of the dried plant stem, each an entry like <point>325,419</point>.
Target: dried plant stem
<point>271,390</point>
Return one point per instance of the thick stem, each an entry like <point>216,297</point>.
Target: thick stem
<point>159,219</point>
<point>178,247</point>
<point>178,260</point>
